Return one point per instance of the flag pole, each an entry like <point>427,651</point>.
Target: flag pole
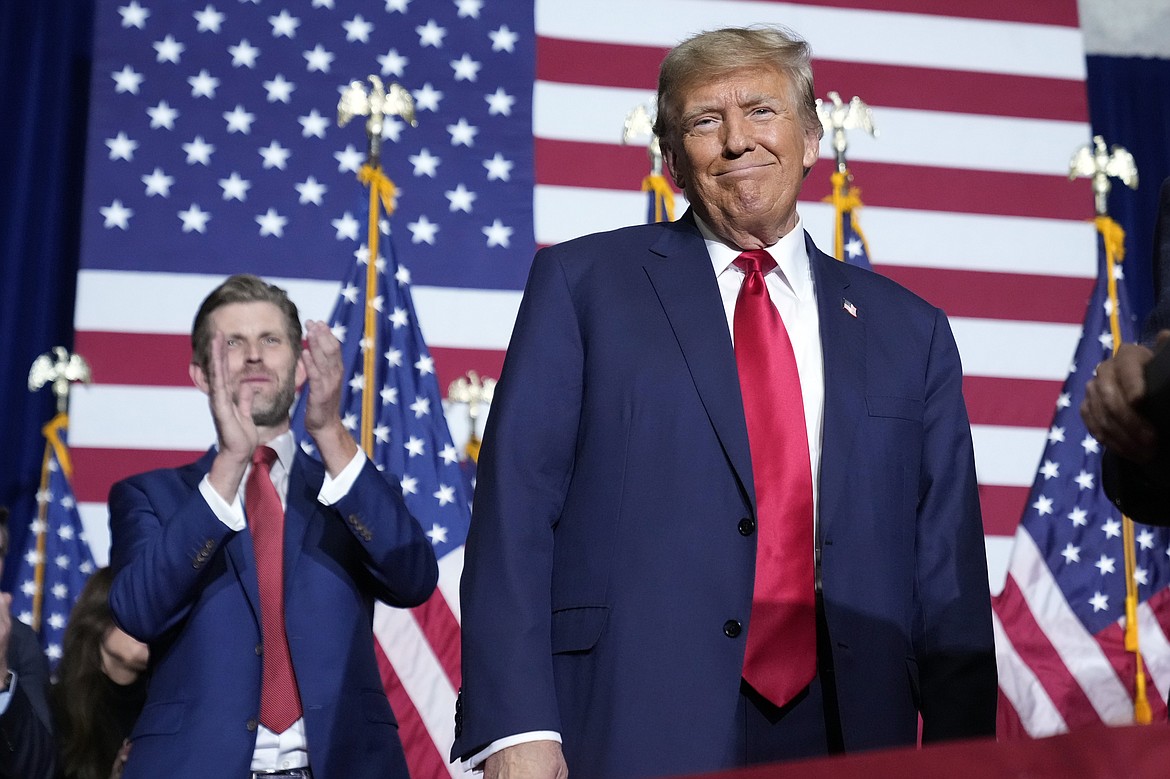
<point>1099,163</point>
<point>639,128</point>
<point>477,393</point>
<point>59,369</point>
<point>836,118</point>
<point>377,103</point>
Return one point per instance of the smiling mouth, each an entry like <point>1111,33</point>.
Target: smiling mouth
<point>744,169</point>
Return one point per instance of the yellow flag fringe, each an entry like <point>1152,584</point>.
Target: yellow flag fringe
<point>663,196</point>
<point>845,199</point>
<point>1113,237</point>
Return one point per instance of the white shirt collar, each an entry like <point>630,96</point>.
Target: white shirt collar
<point>789,252</point>
<point>285,446</point>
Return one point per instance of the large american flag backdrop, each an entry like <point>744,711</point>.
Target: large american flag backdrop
<point>213,148</point>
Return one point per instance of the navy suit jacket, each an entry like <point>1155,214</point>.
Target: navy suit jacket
<point>604,555</point>
<point>186,584</point>
<point>27,747</point>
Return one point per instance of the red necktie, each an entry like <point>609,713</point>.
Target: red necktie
<point>780,659</point>
<point>280,701</point>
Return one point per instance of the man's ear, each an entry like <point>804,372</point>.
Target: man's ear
<point>199,378</point>
<point>301,373</point>
<point>812,150</point>
<point>668,156</point>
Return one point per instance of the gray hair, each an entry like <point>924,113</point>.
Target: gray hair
<point>716,52</point>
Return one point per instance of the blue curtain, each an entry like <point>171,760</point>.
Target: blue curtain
<point>45,55</point>
<point>1129,105</point>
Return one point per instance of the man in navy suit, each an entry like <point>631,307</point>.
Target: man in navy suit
<point>612,584</point>
<point>234,693</point>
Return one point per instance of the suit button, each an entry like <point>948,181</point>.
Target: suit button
<point>259,649</point>
<point>731,628</point>
<point>251,726</point>
<point>747,526</point>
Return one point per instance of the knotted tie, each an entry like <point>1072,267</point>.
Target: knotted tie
<point>280,701</point>
<point>781,643</point>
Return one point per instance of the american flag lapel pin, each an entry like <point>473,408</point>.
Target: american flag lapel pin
<point>849,308</point>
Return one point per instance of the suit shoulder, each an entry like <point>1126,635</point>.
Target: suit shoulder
<point>875,286</point>
<point>607,247</point>
<point>184,477</point>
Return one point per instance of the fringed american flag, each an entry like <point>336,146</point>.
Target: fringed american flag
<point>58,561</point>
<point>418,651</point>
<point>1060,620</point>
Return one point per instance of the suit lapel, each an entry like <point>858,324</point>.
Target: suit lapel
<point>843,350</point>
<point>683,279</point>
<point>301,506</point>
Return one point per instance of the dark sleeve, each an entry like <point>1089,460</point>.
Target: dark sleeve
<point>160,564</point>
<point>1159,318</point>
<point>522,480</point>
<point>1142,492</point>
<point>27,747</point>
<point>399,556</point>
<point>956,652</point>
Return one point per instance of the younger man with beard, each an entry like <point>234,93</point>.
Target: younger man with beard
<point>252,573</point>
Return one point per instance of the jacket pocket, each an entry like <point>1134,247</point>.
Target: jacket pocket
<point>577,629</point>
<point>894,406</point>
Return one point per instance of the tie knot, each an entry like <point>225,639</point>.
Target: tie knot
<point>263,456</point>
<point>755,261</point>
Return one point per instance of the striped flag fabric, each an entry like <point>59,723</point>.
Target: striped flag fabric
<point>58,560</point>
<point>417,650</point>
<point>1060,620</point>
<point>213,149</point>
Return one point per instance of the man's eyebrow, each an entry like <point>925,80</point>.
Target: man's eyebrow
<point>759,98</point>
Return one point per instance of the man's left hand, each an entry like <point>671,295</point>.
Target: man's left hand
<point>322,360</point>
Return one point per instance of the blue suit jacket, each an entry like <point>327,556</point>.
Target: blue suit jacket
<point>27,746</point>
<point>186,584</point>
<point>604,555</point>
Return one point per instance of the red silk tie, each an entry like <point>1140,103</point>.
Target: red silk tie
<point>781,653</point>
<point>280,700</point>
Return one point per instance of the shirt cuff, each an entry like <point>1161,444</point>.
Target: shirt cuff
<point>230,514</point>
<point>475,763</point>
<point>333,490</point>
<point>6,696</point>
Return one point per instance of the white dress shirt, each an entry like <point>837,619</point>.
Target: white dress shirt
<point>290,749</point>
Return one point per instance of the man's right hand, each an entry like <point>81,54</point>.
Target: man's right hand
<point>1110,406</point>
<point>530,760</point>
<point>234,427</point>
